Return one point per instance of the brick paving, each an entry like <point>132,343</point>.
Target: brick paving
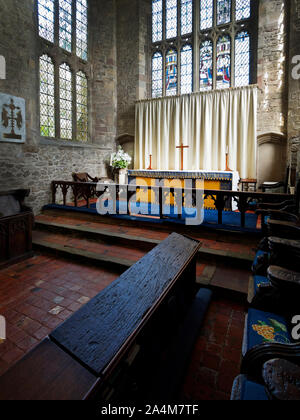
<point>216,358</point>
<point>40,293</point>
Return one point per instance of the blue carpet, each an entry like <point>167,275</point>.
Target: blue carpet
<point>231,220</point>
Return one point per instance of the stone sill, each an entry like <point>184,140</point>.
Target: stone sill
<point>47,141</point>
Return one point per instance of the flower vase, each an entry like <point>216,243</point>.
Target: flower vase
<point>120,176</point>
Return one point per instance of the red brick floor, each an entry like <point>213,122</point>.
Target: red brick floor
<point>217,354</point>
<point>40,293</point>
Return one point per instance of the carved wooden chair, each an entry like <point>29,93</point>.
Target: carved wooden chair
<point>83,177</point>
<point>281,380</point>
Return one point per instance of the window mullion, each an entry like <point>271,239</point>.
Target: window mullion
<point>74,106</point>
<point>74,27</point>
<point>57,99</point>
<point>56,22</point>
<point>196,45</point>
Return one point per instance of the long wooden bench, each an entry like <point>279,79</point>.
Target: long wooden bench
<point>116,343</point>
<point>16,221</point>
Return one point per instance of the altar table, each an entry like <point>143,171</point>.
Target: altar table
<point>213,180</point>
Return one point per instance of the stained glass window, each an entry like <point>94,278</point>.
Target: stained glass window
<point>46,19</point>
<point>65,91</point>
<point>171,18</point>
<point>65,24</point>
<point>171,72</point>
<point>186,17</point>
<point>82,29</point>
<point>47,117</point>
<point>242,59</point>
<point>186,69</point>
<point>223,62</point>
<point>223,11</point>
<point>157,75</point>
<point>206,14</point>
<point>243,9</point>
<point>157,20</point>
<point>206,66</point>
<point>82,106</point>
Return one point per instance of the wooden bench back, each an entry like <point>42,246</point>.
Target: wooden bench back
<point>96,340</point>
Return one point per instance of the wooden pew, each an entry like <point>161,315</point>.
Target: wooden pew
<point>110,345</point>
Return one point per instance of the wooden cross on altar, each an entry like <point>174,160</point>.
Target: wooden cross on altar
<point>182,147</point>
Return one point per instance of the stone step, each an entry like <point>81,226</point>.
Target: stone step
<point>145,241</point>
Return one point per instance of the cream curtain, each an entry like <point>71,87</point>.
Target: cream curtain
<point>207,122</point>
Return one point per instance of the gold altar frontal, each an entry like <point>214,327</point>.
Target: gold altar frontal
<point>176,179</point>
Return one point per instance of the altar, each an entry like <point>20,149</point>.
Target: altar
<point>213,180</point>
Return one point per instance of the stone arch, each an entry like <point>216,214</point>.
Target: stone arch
<point>272,157</point>
<point>127,143</point>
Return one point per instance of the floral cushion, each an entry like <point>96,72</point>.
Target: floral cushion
<point>265,327</point>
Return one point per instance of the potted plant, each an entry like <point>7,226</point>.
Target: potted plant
<point>120,162</point>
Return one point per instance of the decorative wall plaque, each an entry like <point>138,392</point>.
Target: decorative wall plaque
<point>12,119</point>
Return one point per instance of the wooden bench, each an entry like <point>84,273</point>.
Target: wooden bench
<point>114,344</point>
<point>16,221</point>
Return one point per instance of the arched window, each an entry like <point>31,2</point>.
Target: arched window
<point>82,106</point>
<point>222,35</point>
<point>46,19</point>
<point>65,24</point>
<point>171,72</point>
<point>65,99</point>
<point>64,93</point>
<point>171,19</point>
<point>186,68</point>
<point>223,12</point>
<point>82,29</point>
<point>223,62</point>
<point>186,17</point>
<point>157,75</point>
<point>47,110</point>
<point>242,59</point>
<point>157,20</point>
<point>206,65</point>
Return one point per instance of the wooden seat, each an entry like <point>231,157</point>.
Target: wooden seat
<point>112,347</point>
<point>248,184</point>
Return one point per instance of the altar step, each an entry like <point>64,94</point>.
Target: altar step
<point>235,250</point>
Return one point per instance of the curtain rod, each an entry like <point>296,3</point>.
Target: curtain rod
<point>200,93</point>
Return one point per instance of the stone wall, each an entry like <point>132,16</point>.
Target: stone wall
<point>39,161</point>
<point>294,89</point>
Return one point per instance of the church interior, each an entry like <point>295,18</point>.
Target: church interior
<point>149,200</point>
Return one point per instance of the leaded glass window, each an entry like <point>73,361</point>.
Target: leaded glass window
<point>82,29</point>
<point>157,75</point>
<point>46,19</point>
<point>186,17</point>
<point>206,14</point>
<point>157,20</point>
<point>222,34</point>
<point>82,106</point>
<point>65,24</point>
<point>242,9</point>
<point>242,59</point>
<point>223,62</point>
<point>47,110</point>
<point>171,72</point>
<point>186,76</point>
<point>171,18</point>
<point>65,90</point>
<point>206,66</point>
<point>223,11</point>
